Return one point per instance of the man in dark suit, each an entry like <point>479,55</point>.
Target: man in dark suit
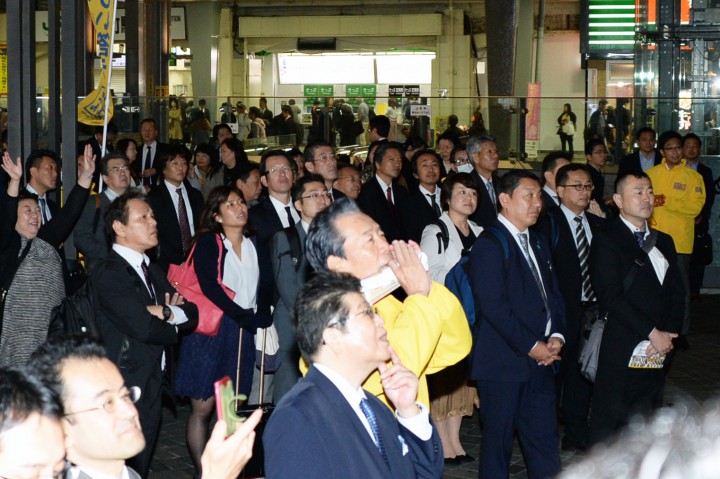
<point>327,425</point>
<point>89,234</point>
<point>570,229</point>
<point>265,114</point>
<point>483,154</point>
<point>137,310</point>
<point>310,197</point>
<point>635,276</point>
<point>148,153</point>
<point>519,336</point>
<point>95,143</point>
<point>645,157</point>
<point>382,194</point>
<point>177,207</point>
<point>422,207</point>
<point>596,155</point>
<point>347,183</point>
<point>691,151</point>
<point>552,162</point>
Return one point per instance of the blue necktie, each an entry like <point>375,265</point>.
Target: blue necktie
<point>640,237</point>
<point>372,420</point>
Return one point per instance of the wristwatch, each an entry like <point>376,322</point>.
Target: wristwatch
<point>167,312</point>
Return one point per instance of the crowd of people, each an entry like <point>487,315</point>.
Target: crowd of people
<point>377,359</point>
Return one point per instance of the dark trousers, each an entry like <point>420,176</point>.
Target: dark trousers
<point>527,408</point>
<point>567,140</point>
<point>149,408</point>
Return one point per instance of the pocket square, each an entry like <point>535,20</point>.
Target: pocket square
<point>405,448</point>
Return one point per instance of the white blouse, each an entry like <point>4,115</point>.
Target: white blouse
<point>242,275</point>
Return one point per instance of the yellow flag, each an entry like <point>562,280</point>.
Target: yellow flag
<point>91,110</point>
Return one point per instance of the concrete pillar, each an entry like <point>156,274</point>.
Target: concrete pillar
<point>203,20</point>
<point>154,35</point>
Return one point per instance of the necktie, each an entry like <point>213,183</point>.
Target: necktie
<point>535,272</point>
<point>372,420</point>
<point>491,192</point>
<point>43,206</point>
<point>146,273</point>
<point>640,237</point>
<point>435,206</point>
<point>583,247</point>
<point>185,233</point>
<point>389,197</point>
<point>291,220</point>
<point>147,164</point>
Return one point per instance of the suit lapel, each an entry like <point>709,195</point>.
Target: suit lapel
<point>272,215</point>
<point>138,283</point>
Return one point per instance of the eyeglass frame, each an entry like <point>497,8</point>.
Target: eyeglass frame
<point>317,195</point>
<point>133,394</point>
<point>579,187</point>
<point>60,475</point>
<point>278,169</point>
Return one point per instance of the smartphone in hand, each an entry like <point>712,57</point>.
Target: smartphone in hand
<point>226,403</point>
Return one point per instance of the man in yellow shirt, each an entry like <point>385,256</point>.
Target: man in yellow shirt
<point>679,197</point>
<point>429,330</point>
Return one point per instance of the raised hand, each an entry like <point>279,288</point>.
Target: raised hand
<point>400,385</point>
<point>86,167</point>
<point>14,171</point>
<point>225,457</point>
<point>408,269</point>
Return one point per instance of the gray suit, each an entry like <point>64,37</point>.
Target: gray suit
<point>92,242</point>
<point>288,282</point>
<point>76,473</point>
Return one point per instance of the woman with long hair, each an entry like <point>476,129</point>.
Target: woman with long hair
<point>232,156</point>
<point>567,124</point>
<point>450,396</point>
<point>222,238</point>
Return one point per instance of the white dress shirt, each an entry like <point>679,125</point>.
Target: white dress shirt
<point>384,187</point>
<point>553,194</point>
<point>282,213</point>
<point>425,194</point>
<point>660,264</point>
<point>242,274</point>
<point>176,201</point>
<point>46,214</point>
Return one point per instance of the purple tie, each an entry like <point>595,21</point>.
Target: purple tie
<point>184,222</point>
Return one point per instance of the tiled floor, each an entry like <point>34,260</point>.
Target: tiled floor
<point>694,377</point>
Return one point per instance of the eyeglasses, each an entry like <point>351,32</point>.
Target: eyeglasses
<point>672,148</point>
<point>580,187</point>
<point>326,158</point>
<point>63,474</point>
<point>118,169</point>
<point>369,311</point>
<point>317,195</point>
<point>599,152</point>
<point>279,169</point>
<point>131,396</point>
<point>353,179</point>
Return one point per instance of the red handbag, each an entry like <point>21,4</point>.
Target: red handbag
<point>185,281</point>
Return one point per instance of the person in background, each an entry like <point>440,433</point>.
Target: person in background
<point>248,181</point>
<point>233,157</point>
<point>205,173</point>
<point>175,122</point>
<point>347,182</point>
<point>645,157</point>
<point>445,146</point>
<point>453,131</point>
<point>129,148</point>
<point>567,126</point>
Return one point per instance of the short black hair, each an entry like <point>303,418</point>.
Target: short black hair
<point>426,151</point>
<point>35,158</point>
<point>455,151</point>
<point>451,138</point>
<point>323,238</point>
<point>667,136</point>
<point>691,136</point>
<point>243,173</point>
<point>113,155</point>
<point>621,179</point>
<point>298,188</point>
<point>319,302</point>
<point>148,120</point>
<point>414,142</point>
<point>270,153</point>
<point>119,211</point>
<point>562,174</point>
<point>645,129</point>
<point>237,147</point>
<point>112,128</point>
<point>172,152</point>
<point>46,361</point>
<point>383,147</point>
<point>381,123</point>
<point>591,144</point>
<point>452,120</point>
<point>511,180</point>
<point>309,154</point>
<point>465,179</point>
<point>222,126</point>
<point>22,395</point>
<point>551,159</point>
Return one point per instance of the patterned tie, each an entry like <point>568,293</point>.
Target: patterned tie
<point>291,220</point>
<point>535,273</point>
<point>435,206</point>
<point>147,164</point>
<point>185,233</point>
<point>146,273</point>
<point>491,192</point>
<point>43,206</point>
<point>372,420</point>
<point>583,252</point>
<point>640,237</point>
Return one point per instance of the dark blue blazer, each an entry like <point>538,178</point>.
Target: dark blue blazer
<point>512,312</point>
<point>486,213</point>
<point>373,202</point>
<point>314,433</point>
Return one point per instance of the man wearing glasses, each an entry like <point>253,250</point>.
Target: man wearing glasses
<point>319,158</point>
<point>290,270</point>
<point>100,422</point>
<point>348,182</point>
<point>32,445</point>
<point>89,235</point>
<point>596,154</point>
<point>570,228</point>
<point>679,198</point>
<point>328,425</point>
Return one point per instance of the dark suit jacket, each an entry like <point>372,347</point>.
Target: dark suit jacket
<point>134,338</point>
<point>567,270</point>
<point>512,312</point>
<point>97,151</point>
<point>373,202</point>
<point>89,235</point>
<point>136,166</point>
<point>485,213</point>
<point>337,194</point>
<point>63,219</point>
<point>415,214</point>
<point>314,430</point>
<point>548,202</point>
<point>706,211</point>
<point>631,162</point>
<point>170,247</point>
